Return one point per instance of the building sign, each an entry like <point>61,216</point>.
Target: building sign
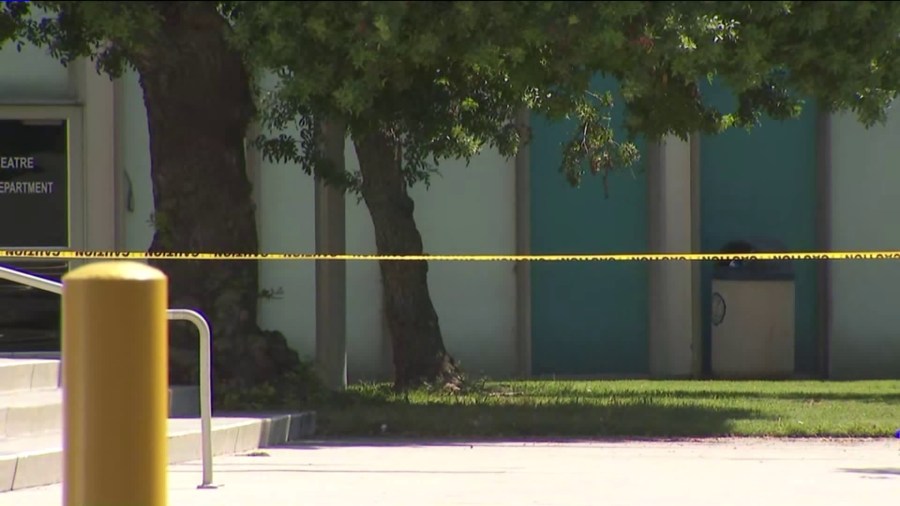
<point>34,184</point>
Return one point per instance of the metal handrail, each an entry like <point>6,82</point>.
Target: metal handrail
<point>23,278</point>
<point>202,325</point>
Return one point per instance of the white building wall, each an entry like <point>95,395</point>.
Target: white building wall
<point>471,210</point>
<point>865,202</point>
<point>467,210</point>
<point>287,225</point>
<point>368,346</point>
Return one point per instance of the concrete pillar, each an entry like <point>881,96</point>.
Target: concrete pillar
<point>101,210</point>
<point>674,300</point>
<point>331,276</point>
<point>523,247</point>
<point>824,241</point>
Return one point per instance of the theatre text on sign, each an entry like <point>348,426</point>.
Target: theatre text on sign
<point>17,162</point>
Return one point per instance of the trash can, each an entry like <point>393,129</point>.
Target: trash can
<point>752,314</point>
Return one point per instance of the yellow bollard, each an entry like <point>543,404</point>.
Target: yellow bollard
<point>115,385</point>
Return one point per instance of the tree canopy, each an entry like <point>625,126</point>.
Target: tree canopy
<point>447,78</point>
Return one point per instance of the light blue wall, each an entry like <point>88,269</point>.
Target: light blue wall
<point>134,155</point>
<point>762,184</point>
<point>865,206</point>
<point>32,75</point>
<point>587,318</point>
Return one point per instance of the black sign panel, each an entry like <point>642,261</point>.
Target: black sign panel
<point>34,184</point>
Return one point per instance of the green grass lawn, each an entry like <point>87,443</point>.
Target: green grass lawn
<point>638,408</point>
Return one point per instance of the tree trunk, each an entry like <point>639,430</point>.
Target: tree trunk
<point>418,348</point>
<point>198,101</point>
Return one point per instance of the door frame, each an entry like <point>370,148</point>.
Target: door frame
<point>73,115</point>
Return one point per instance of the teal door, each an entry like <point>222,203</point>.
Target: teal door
<point>762,185</point>
<point>587,317</point>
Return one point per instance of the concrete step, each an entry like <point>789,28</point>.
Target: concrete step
<point>23,374</point>
<point>36,460</point>
<point>30,412</point>
<point>27,412</point>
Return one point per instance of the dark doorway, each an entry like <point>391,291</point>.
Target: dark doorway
<point>34,214</point>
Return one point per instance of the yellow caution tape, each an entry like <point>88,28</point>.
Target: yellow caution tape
<point>145,255</point>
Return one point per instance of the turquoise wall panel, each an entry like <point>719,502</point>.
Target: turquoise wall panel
<point>587,317</point>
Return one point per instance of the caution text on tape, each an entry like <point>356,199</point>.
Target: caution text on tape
<point>632,257</point>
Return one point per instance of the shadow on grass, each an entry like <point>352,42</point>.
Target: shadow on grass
<point>387,419</point>
<point>739,394</point>
<point>774,390</point>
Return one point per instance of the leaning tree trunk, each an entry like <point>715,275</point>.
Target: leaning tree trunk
<point>198,101</point>
<point>418,347</point>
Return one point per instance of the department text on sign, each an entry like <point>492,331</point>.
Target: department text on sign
<point>26,187</point>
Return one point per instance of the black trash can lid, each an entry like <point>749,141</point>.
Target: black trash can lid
<point>753,270</point>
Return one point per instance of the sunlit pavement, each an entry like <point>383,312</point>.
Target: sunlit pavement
<point>717,472</point>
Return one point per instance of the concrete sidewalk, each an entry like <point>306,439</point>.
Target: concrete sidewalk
<point>718,472</point>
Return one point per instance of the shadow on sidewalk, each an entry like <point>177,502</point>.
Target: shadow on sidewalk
<point>878,471</point>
